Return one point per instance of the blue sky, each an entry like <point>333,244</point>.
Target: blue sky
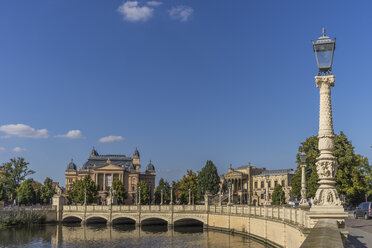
<point>185,81</point>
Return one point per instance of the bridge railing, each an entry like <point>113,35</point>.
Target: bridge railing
<point>296,216</point>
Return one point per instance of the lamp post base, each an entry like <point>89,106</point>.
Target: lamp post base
<point>327,212</point>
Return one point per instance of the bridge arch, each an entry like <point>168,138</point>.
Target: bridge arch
<point>72,219</point>
<point>177,220</point>
<point>154,220</point>
<point>96,219</point>
<point>126,220</point>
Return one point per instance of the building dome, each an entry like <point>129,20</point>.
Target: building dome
<point>150,167</point>
<point>71,166</point>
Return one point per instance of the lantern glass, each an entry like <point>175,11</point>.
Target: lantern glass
<point>324,49</point>
<point>303,157</point>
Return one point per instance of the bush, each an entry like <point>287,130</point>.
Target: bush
<point>22,218</point>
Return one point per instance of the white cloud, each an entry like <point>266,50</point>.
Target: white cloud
<point>19,149</point>
<point>72,134</point>
<point>2,149</point>
<point>111,139</point>
<point>154,3</point>
<point>22,130</point>
<point>133,12</point>
<point>182,13</point>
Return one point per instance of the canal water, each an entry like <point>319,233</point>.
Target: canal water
<point>98,235</point>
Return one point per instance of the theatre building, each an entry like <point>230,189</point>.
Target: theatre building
<point>104,169</point>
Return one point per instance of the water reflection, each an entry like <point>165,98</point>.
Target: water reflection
<point>99,235</point>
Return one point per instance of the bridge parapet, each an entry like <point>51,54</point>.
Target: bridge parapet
<point>294,216</point>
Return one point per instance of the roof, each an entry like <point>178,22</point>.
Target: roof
<point>101,160</point>
<point>276,172</point>
<point>71,166</point>
<point>150,167</point>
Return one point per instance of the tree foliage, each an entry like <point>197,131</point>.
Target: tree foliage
<point>189,181</point>
<point>26,193</point>
<point>208,179</point>
<point>353,175</point>
<point>46,191</point>
<point>120,192</point>
<point>165,186</point>
<point>143,189</point>
<point>278,196</point>
<point>77,191</point>
<point>16,171</point>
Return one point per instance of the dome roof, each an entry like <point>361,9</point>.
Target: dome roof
<point>71,166</point>
<point>150,167</point>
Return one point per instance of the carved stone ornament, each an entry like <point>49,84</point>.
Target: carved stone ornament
<point>326,169</point>
<point>327,197</point>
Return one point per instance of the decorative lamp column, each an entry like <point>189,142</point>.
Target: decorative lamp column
<point>220,198</point>
<point>161,196</point>
<point>303,201</point>
<point>229,186</point>
<point>326,202</point>
<point>85,196</point>
<point>189,197</point>
<point>171,196</point>
<point>267,190</point>
<point>139,195</point>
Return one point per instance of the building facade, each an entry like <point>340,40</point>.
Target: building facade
<point>249,184</point>
<point>104,169</point>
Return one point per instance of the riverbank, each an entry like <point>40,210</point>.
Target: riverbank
<point>22,218</point>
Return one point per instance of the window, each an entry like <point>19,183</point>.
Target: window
<point>275,183</point>
<point>70,180</point>
<point>269,183</point>
<point>283,183</point>
<point>262,184</point>
<point>255,185</point>
<point>262,196</point>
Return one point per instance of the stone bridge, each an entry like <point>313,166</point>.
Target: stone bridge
<point>277,226</point>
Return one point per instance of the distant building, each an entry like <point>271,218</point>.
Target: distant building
<point>249,183</point>
<point>104,169</point>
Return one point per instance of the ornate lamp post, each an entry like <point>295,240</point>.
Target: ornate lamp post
<point>139,195</point>
<point>171,196</point>
<point>189,196</point>
<point>303,201</point>
<point>85,196</point>
<point>267,190</point>
<point>229,186</point>
<point>326,199</point>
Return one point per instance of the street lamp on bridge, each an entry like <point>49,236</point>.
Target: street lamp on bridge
<point>327,203</point>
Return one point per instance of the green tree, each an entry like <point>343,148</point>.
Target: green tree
<point>37,187</point>
<point>353,172</point>
<point>120,192</point>
<point>145,196</point>
<point>26,193</point>
<point>278,196</point>
<point>165,186</point>
<point>208,179</point>
<point>47,191</point>
<point>3,195</point>
<point>77,191</point>
<point>189,181</point>
<point>16,171</point>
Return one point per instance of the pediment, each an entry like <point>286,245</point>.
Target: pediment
<point>108,167</point>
